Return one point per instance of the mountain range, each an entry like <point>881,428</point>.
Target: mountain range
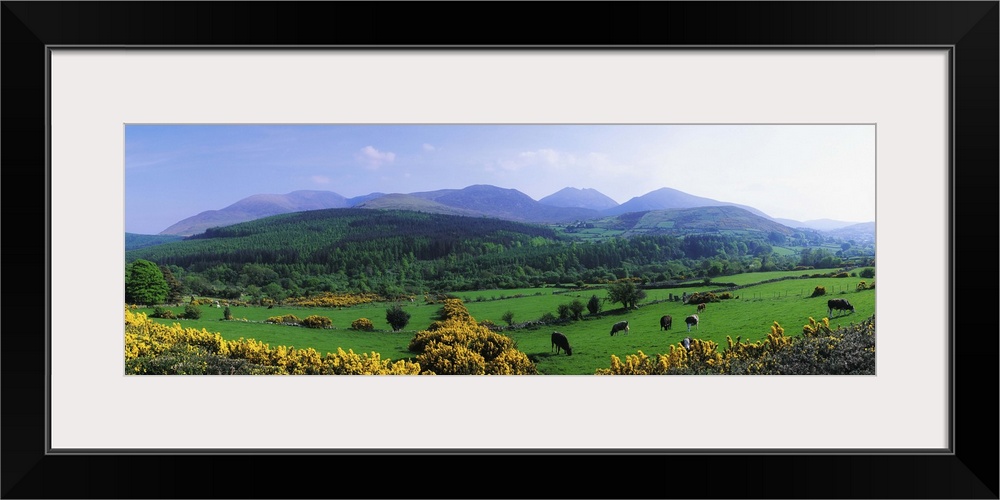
<point>567,205</point>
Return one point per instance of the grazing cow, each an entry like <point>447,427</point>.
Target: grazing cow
<point>692,320</point>
<point>686,343</point>
<point>559,341</point>
<point>838,305</point>
<point>666,322</point>
<point>701,307</point>
<point>621,326</point>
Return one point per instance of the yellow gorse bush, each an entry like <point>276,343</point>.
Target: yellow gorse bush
<point>741,357</point>
<point>147,339</point>
<point>362,324</point>
<point>317,321</point>
<point>457,345</point>
<point>288,319</point>
<point>329,299</point>
<point>817,327</point>
<point>702,357</point>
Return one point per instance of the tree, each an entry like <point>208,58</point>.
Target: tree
<point>564,312</point>
<point>508,317</point>
<point>576,307</point>
<point>145,284</point>
<point>594,304</point>
<point>176,288</point>
<point>397,317</point>
<point>625,292</point>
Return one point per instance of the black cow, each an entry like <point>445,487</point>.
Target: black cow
<point>559,341</point>
<point>691,320</point>
<point>838,305</point>
<point>621,326</point>
<point>666,322</point>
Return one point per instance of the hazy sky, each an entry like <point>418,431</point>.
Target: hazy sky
<point>799,172</point>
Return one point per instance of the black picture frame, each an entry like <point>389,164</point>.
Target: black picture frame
<point>970,28</point>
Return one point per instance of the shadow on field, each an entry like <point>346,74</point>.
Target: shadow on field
<point>545,355</point>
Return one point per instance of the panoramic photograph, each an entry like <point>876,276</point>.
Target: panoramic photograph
<point>506,249</point>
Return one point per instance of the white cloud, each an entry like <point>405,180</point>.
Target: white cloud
<point>429,147</point>
<point>539,158</point>
<point>320,179</point>
<point>373,158</point>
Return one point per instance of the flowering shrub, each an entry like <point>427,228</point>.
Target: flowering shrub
<point>819,351</point>
<point>702,297</point>
<point>152,348</point>
<point>362,324</point>
<point>819,290</point>
<point>288,319</point>
<point>328,299</point>
<point>456,344</point>
<point>316,321</point>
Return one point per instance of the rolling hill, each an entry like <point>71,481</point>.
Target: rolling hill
<point>699,220</point>
<point>565,206</point>
<point>669,198</point>
<point>255,207</point>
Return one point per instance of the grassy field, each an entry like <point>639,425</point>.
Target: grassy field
<point>749,316</point>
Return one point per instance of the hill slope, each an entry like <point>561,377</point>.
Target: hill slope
<point>134,241</point>
<point>566,205</point>
<point>669,198</point>
<point>700,220</point>
<point>255,207</point>
<point>415,204</point>
<point>507,204</point>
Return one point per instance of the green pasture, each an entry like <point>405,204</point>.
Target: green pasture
<point>749,315</point>
<point>749,278</point>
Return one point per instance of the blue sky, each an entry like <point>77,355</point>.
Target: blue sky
<point>799,172</point>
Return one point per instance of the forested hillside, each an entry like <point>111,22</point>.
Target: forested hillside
<point>397,252</point>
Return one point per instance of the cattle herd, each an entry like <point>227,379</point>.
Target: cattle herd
<point>561,343</point>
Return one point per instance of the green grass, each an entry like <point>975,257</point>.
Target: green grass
<point>749,316</point>
<point>785,251</point>
<point>749,278</point>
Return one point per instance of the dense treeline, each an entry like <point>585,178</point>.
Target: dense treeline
<point>394,253</point>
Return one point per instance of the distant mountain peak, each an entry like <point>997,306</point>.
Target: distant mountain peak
<point>571,197</point>
<point>255,207</point>
<point>566,205</point>
<point>666,198</point>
